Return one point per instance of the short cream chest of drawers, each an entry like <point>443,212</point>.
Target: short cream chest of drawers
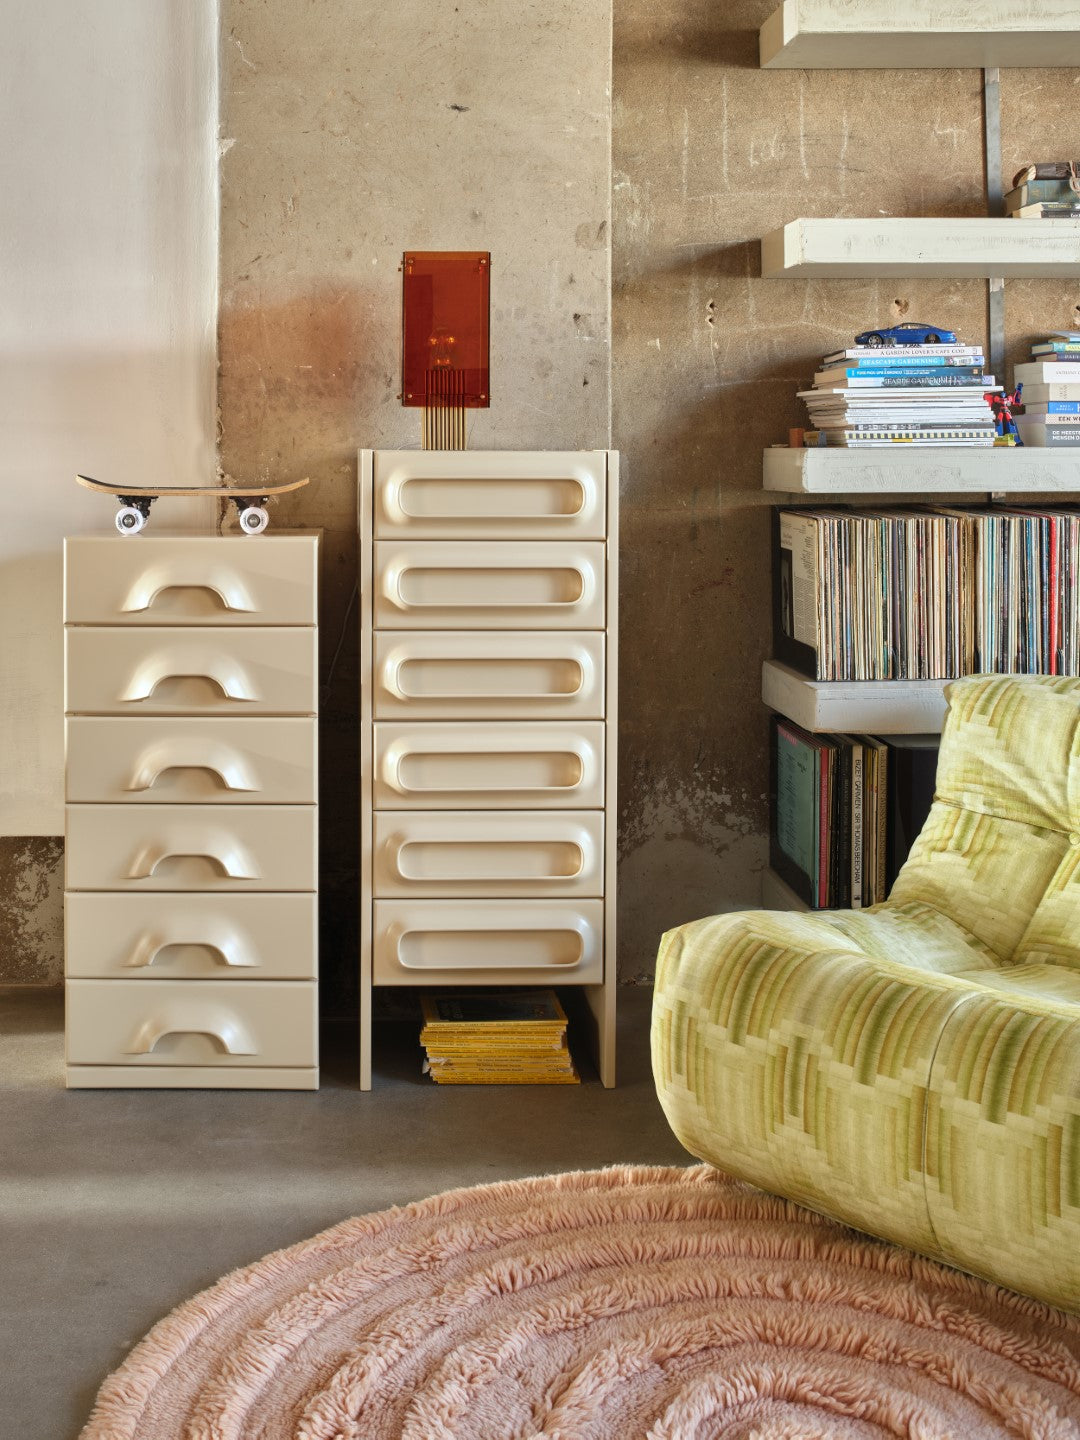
<point>488,604</point>
<point>191,872</point>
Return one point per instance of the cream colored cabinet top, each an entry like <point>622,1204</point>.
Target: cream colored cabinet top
<point>191,580</point>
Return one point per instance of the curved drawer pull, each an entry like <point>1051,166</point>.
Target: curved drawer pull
<point>231,768</point>
<point>231,951</point>
<point>225,672</point>
<point>218,1025</point>
<point>156,579</point>
<point>232,860</point>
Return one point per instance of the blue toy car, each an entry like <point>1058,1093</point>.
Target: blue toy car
<point>907,334</point>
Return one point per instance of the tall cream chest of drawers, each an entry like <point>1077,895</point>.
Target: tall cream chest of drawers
<point>488,600</point>
<point>191,698</point>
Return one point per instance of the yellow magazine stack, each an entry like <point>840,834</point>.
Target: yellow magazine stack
<point>513,1037</point>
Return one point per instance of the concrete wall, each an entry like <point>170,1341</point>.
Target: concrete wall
<point>709,153</point>
<point>351,132</point>
<point>107,303</point>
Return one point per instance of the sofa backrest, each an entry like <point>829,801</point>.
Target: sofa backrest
<point>1000,851</point>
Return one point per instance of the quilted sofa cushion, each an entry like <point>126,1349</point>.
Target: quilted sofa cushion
<point>914,1068</point>
<point>999,851</point>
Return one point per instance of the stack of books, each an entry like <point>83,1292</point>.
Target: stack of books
<point>901,394</point>
<point>1045,192</point>
<point>496,1037</point>
<point>927,594</point>
<point>1051,392</point>
<point>845,811</point>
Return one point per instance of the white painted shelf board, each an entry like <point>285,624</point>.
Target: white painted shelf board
<point>919,34</point>
<point>977,247</point>
<point>876,707</point>
<point>777,894</point>
<point>922,470</point>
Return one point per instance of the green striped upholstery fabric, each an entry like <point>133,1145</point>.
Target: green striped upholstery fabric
<point>913,1069</point>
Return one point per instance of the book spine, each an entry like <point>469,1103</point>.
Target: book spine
<point>856,831</point>
<point>944,380</point>
<point>822,876</point>
<point>880,873</point>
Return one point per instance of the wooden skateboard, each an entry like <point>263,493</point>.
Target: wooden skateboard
<point>135,501</point>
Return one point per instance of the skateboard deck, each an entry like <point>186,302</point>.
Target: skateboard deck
<point>135,500</point>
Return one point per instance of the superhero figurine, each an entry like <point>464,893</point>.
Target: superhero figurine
<point>1003,406</point>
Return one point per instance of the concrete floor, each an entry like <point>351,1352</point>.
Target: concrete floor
<point>117,1205</point>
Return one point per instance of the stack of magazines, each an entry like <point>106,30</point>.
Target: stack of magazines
<point>1051,393</point>
<point>901,394</point>
<point>500,1037</point>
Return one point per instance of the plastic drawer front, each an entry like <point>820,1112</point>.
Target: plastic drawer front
<point>192,1022</point>
<point>190,937</point>
<point>448,853</point>
<point>191,847</point>
<point>148,671</point>
<point>184,761</point>
<point>191,580</point>
<point>485,586</point>
<point>497,495</point>
<point>439,675</point>
<point>489,767</point>
<point>487,942</point>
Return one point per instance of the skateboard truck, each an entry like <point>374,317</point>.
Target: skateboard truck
<point>134,512</point>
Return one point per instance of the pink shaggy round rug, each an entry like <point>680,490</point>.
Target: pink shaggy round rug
<point>663,1303</point>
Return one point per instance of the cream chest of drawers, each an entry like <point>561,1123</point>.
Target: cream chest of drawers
<point>488,591</point>
<point>191,876</point>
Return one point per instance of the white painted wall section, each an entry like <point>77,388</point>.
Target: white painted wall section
<point>108,301</point>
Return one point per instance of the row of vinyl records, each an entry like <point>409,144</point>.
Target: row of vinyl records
<point>845,811</point>
<point>928,593</point>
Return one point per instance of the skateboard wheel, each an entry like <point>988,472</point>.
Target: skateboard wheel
<point>254,520</point>
<point>129,521</point>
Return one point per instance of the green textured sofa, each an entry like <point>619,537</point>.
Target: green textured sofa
<point>913,1069</point>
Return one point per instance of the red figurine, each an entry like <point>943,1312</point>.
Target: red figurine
<point>1002,406</point>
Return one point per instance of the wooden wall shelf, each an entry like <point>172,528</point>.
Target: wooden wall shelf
<point>978,248</point>
<point>919,34</point>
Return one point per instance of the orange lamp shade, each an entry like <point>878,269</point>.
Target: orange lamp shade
<point>445,328</point>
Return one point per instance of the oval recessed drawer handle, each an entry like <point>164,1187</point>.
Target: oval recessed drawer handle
<point>232,769</point>
<point>223,671</point>
<point>148,947</point>
<point>394,684</point>
<point>398,844</point>
<point>157,579</point>
<point>396,754</point>
<point>230,858</point>
<point>394,574</point>
<point>398,932</point>
<point>398,511</point>
<point>222,1027</point>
